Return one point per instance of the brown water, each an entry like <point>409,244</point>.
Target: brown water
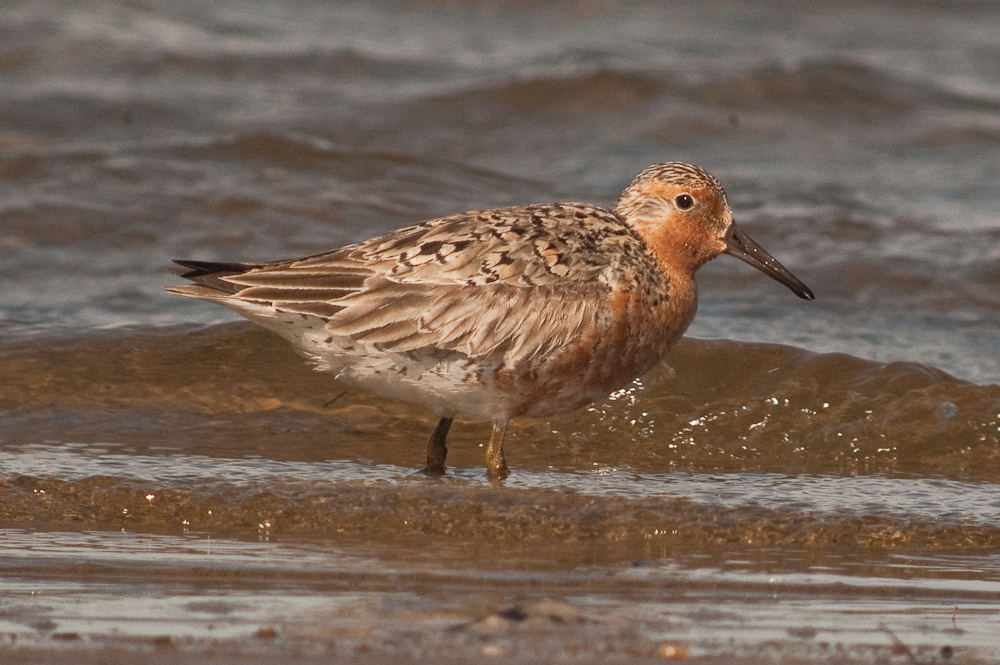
<point>799,483</point>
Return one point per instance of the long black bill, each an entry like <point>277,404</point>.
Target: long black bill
<point>741,246</point>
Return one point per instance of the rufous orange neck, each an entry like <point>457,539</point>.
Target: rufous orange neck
<point>678,246</point>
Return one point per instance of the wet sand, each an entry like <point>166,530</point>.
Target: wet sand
<point>174,598</point>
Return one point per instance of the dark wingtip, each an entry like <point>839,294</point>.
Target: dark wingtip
<point>200,268</point>
<point>209,273</point>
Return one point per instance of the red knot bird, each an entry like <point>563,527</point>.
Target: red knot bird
<point>528,310</point>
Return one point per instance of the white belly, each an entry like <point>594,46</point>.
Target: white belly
<point>446,381</point>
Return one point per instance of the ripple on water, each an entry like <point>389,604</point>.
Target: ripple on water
<point>931,498</point>
<point>311,594</point>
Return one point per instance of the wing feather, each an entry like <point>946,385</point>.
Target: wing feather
<point>516,281</point>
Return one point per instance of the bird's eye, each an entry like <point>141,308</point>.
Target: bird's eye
<point>684,201</point>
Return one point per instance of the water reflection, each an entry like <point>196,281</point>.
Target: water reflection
<point>143,586</point>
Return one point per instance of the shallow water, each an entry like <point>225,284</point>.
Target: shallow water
<point>255,600</point>
<point>799,482</point>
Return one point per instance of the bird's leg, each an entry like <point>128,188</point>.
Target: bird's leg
<point>436,450</point>
<point>496,462</point>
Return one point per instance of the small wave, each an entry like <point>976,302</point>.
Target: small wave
<point>289,506</point>
<point>542,93</point>
<point>233,390</point>
<point>843,87</point>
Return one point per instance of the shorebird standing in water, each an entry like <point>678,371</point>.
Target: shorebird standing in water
<point>522,311</point>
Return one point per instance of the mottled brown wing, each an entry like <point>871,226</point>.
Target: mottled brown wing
<point>474,320</point>
<point>522,246</point>
<point>518,280</point>
<point>298,287</point>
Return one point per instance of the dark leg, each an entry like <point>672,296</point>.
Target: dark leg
<point>436,450</point>
<point>496,462</point>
